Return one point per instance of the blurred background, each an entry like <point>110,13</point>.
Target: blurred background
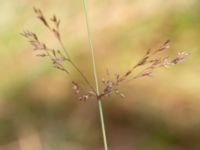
<point>38,109</point>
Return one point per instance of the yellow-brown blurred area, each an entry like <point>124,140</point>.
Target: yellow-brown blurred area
<point>38,109</point>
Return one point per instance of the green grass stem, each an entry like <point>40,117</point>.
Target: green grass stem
<point>95,77</point>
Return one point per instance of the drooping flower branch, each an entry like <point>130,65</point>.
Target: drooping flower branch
<point>57,56</point>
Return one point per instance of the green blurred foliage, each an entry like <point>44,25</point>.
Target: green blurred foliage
<point>38,107</point>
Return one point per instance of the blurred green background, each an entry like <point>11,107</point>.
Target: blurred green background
<point>38,109</point>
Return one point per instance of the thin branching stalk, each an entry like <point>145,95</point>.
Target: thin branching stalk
<point>74,65</point>
<point>70,59</point>
<point>56,32</point>
<point>83,76</point>
<point>150,62</point>
<point>95,77</point>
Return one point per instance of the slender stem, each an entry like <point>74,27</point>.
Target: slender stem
<point>73,64</point>
<point>102,125</point>
<point>63,47</point>
<point>83,76</point>
<point>95,77</point>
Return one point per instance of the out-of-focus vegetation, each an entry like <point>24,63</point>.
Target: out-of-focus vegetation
<point>38,110</point>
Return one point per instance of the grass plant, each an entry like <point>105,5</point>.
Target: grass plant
<point>61,58</point>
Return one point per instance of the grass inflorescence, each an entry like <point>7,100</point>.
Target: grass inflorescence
<point>60,59</point>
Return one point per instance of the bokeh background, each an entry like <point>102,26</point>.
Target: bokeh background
<point>38,109</point>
